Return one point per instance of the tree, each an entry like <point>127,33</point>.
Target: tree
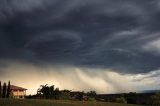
<point>155,100</point>
<point>65,95</point>
<point>92,94</point>
<point>79,95</point>
<point>51,91</point>
<point>4,90</point>
<point>57,93</point>
<point>132,98</point>
<point>46,91</point>
<point>0,90</point>
<point>8,90</point>
<point>121,100</point>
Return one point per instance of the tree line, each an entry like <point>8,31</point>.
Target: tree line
<point>151,99</point>
<point>50,92</point>
<point>5,90</point>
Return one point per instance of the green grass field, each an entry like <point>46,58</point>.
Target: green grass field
<point>24,102</point>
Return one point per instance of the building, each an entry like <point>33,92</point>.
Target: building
<point>17,92</point>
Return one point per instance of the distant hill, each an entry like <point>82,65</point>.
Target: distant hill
<point>150,91</point>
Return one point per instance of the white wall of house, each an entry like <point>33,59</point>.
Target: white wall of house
<point>18,93</point>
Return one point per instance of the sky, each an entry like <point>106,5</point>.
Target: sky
<point>111,46</point>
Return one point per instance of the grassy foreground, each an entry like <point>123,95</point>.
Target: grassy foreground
<point>24,102</point>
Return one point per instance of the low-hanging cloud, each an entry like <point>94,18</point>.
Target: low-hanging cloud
<point>89,34</point>
<point>73,78</point>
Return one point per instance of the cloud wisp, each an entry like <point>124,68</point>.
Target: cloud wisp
<point>121,37</point>
<point>72,78</point>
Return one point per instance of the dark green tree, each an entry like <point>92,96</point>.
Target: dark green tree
<point>65,95</point>
<point>46,91</point>
<point>57,93</point>
<point>80,95</point>
<point>132,98</point>
<point>92,94</point>
<point>4,90</point>
<point>51,90</point>
<point>0,90</point>
<point>121,100</point>
<point>8,90</point>
<point>155,100</point>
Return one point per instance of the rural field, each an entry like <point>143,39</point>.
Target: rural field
<point>24,102</point>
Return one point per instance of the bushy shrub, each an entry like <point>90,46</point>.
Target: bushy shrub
<point>65,96</point>
<point>121,100</point>
<point>155,100</point>
<point>91,99</point>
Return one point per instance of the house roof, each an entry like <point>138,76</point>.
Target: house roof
<point>13,87</point>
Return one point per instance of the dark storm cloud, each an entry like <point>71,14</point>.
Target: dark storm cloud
<point>98,33</point>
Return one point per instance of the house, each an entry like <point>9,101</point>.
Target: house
<point>17,92</point>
